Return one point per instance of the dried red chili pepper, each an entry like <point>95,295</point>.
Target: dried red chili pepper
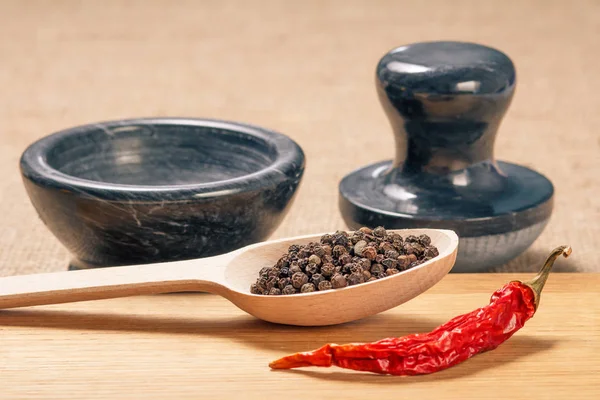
<point>457,340</point>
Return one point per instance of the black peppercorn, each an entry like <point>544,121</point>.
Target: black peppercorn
<point>284,272</point>
<point>271,282</point>
<point>346,268</point>
<point>338,250</point>
<point>299,279</point>
<point>283,282</point>
<point>369,253</point>
<point>304,253</point>
<point>274,292</point>
<point>340,240</point>
<point>303,263</point>
<point>327,250</point>
<point>364,263</point>
<point>359,247</point>
<point>390,263</point>
<point>431,252</point>
<point>324,285</point>
<point>418,248</point>
<point>327,239</point>
<point>319,251</point>
<point>391,254</point>
<point>394,237</point>
<point>316,279</point>
<point>385,247</point>
<point>424,240</point>
<point>307,288</point>
<point>345,259</point>
<point>411,238</point>
<point>283,262</point>
<point>403,262</point>
<point>391,271</point>
<point>327,270</point>
<point>355,268</point>
<point>408,248</point>
<point>312,269</point>
<point>366,275</point>
<point>366,231</point>
<point>254,289</point>
<point>377,269</point>
<point>355,279</point>
<point>379,231</point>
<point>357,237</point>
<point>289,289</point>
<point>379,258</point>
<point>327,259</point>
<point>294,248</point>
<point>338,281</point>
<point>412,258</point>
<point>399,245</point>
<point>314,259</point>
<point>294,269</point>
<point>262,283</point>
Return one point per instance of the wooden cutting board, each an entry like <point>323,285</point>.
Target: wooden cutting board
<point>199,346</point>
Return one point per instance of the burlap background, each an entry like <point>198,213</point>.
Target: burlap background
<point>305,68</point>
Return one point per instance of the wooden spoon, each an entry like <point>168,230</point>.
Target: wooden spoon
<point>230,275</point>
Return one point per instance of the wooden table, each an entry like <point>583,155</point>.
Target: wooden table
<point>192,346</point>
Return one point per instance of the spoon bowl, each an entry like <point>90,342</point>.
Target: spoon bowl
<point>230,275</point>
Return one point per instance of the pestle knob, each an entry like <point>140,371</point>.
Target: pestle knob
<point>445,102</point>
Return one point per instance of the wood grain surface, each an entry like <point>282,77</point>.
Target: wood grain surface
<point>193,346</point>
<point>305,68</point>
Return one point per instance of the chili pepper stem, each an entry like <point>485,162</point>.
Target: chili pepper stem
<point>537,283</point>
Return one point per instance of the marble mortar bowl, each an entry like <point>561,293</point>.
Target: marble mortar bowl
<point>161,189</point>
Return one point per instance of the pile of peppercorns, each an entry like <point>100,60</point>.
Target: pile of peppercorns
<point>341,260</point>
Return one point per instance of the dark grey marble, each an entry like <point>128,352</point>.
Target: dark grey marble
<point>445,102</point>
<point>154,190</point>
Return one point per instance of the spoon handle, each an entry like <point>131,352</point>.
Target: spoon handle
<point>107,283</point>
